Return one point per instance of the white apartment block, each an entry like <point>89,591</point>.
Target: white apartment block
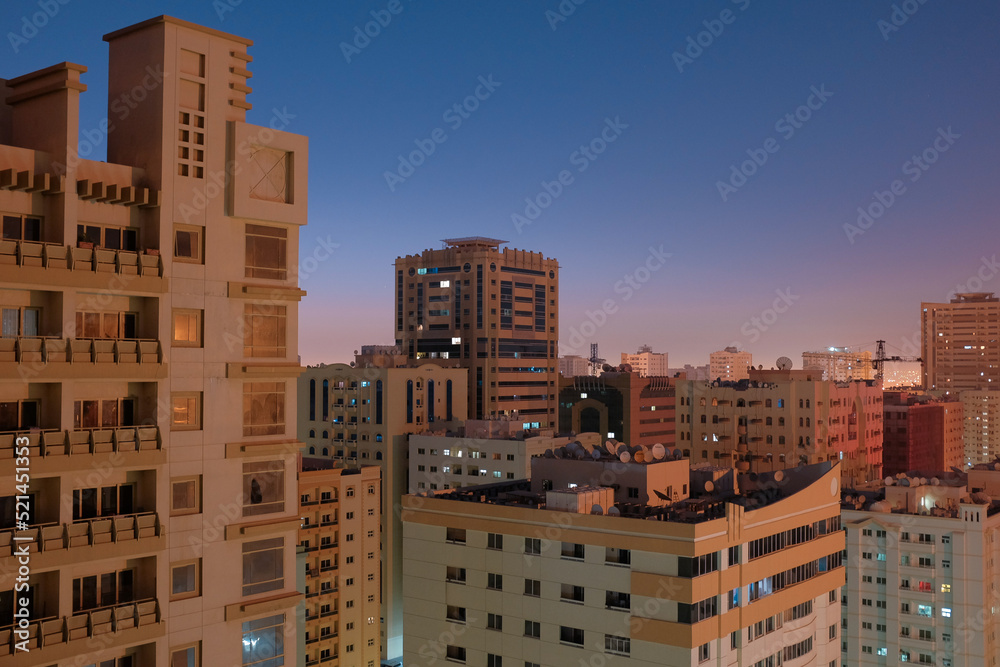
<point>647,363</point>
<point>729,365</point>
<point>982,425</point>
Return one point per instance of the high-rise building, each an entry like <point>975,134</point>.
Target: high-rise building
<point>647,363</point>
<point>960,343</point>
<point>362,416</point>
<point>981,408</point>
<point>922,583</point>
<point>778,419</point>
<point>491,311</point>
<point>567,570</point>
<point>150,308</point>
<point>624,406</point>
<point>729,365</point>
<point>340,510</point>
<point>921,433</point>
<point>840,364</point>
<point>572,365</point>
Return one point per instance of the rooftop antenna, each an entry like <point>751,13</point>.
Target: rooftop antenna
<point>595,360</point>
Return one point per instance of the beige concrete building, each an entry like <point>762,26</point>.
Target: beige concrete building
<point>981,434</point>
<point>363,416</point>
<point>729,365</point>
<point>149,361</point>
<point>340,537</point>
<point>778,419</point>
<point>840,364</point>
<point>573,365</point>
<point>545,573</point>
<point>647,363</point>
<point>960,343</point>
<point>480,452</point>
<point>491,311</point>
<point>922,580</point>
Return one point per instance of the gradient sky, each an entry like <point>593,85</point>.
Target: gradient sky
<point>655,185</point>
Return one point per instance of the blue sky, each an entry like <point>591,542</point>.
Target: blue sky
<point>763,261</point>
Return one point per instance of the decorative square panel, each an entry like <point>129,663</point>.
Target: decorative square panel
<point>268,174</point>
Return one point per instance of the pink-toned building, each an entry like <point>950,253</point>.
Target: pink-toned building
<point>921,433</point>
<point>149,359</point>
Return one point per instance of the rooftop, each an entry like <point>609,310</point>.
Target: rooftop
<point>477,241</point>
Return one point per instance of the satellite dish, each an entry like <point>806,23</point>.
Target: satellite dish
<point>614,511</point>
<point>659,451</point>
<point>784,363</point>
<point>709,486</point>
<point>610,446</point>
<point>661,495</point>
<point>596,455</point>
<point>558,452</point>
<point>889,481</point>
<point>548,454</point>
<point>597,509</point>
<point>625,457</point>
<point>779,475</point>
<point>355,351</point>
<point>639,457</point>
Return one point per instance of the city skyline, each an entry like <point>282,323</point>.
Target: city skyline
<point>669,120</point>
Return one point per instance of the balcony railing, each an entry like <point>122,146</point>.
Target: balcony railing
<point>110,620</point>
<point>82,441</point>
<point>98,260</point>
<point>103,530</point>
<point>39,350</point>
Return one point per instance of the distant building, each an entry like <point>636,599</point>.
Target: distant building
<point>921,433</point>
<point>690,372</point>
<point>647,363</point>
<point>565,570</point>
<point>960,343</point>
<point>922,584</point>
<point>339,534</point>
<point>624,406</point>
<point>572,365</point>
<point>493,312</point>
<point>729,365</point>
<point>840,364</point>
<point>982,424</point>
<point>777,419</point>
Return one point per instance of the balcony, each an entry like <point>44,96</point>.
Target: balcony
<point>72,449</point>
<point>48,263</point>
<point>84,357</point>
<point>56,639</point>
<point>53,545</point>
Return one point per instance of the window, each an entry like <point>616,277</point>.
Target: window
<point>572,593</point>
<point>186,328</point>
<point>22,228</point>
<point>494,541</point>
<point>107,236</point>
<point>455,574</point>
<point>100,324</point>
<point>263,487</point>
<point>185,411</point>
<point>704,652</point>
<point>103,590</point>
<point>266,252</point>
<point>494,581</point>
<point>185,580</point>
<point>532,629</point>
<point>456,535</point>
<point>532,545</point>
<point>617,645</point>
<point>494,622</point>
<point>493,660</point>
<point>265,327</point>
<point>457,614</point>
<point>264,642</point>
<point>263,566</point>
<point>263,408</point>
<point>572,550</point>
<point>456,653</point>
<point>20,321</point>
<point>188,245</point>
<point>185,495</point>
<point>532,587</point>
<point>569,635</point>
<point>617,600</point>
<point>184,657</point>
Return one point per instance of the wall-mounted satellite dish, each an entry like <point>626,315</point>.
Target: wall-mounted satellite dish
<point>625,457</point>
<point>784,363</point>
<point>659,451</point>
<point>709,486</point>
<point>597,509</point>
<point>614,511</point>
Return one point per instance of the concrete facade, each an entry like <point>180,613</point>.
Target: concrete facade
<point>960,343</point>
<point>840,364</point>
<point>623,406</point>
<point>729,365</point>
<point>149,360</point>
<point>647,363</point>
<point>982,425</point>
<point>921,433</point>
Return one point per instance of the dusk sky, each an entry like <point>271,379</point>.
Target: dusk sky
<point>649,129</point>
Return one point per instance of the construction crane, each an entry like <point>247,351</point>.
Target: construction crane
<point>595,361</point>
<point>878,363</point>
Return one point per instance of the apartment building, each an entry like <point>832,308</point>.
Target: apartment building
<point>572,365</point>
<point>922,582</point>
<point>921,433</point>
<point>840,364</point>
<point>149,346</point>
<point>491,311</point>
<point>647,363</point>
<point>729,365</point>
<point>480,452</point>
<point>777,419</point>
<point>340,537</point>
<point>619,405</point>
<point>558,571</point>
<point>981,436</point>
<point>362,416</point>
<point>960,342</point>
